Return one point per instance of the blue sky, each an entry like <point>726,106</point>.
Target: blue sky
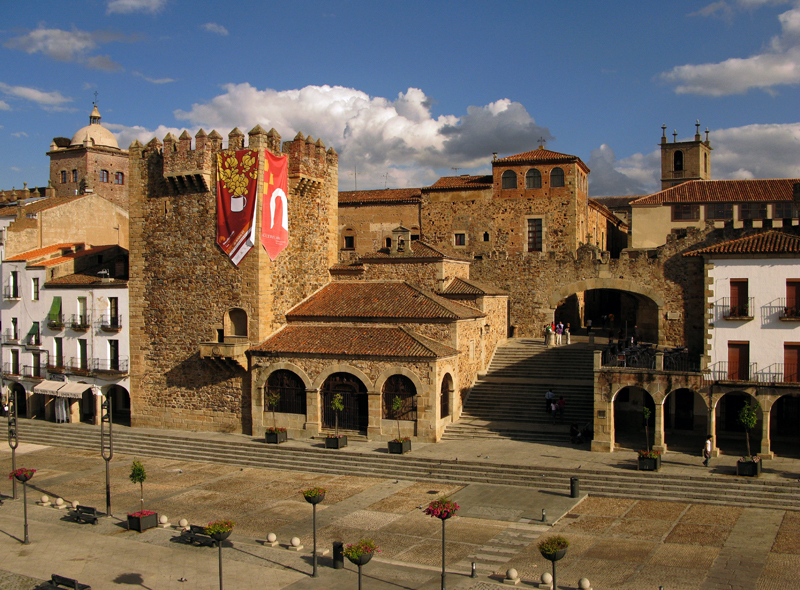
<point>407,92</point>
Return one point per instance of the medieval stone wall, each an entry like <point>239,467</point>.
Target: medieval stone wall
<point>370,225</point>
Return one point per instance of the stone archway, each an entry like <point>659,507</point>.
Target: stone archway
<point>730,434</point>
<point>784,418</point>
<point>685,420</point>
<point>629,425</point>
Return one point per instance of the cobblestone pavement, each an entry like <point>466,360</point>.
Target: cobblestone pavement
<point>616,543</point>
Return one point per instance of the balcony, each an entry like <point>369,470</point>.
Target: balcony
<point>725,371</point>
<point>56,366</point>
<point>55,321</point>
<point>11,337</point>
<point>33,340</point>
<point>779,373</point>
<point>34,371</point>
<point>228,355</point>
<point>110,366</point>
<point>11,369</point>
<point>110,323</point>
<point>788,312</point>
<point>77,366</point>
<point>737,310</point>
<point>11,293</point>
<point>79,322</point>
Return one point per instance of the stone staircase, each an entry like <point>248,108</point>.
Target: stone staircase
<point>508,401</point>
<point>245,451</point>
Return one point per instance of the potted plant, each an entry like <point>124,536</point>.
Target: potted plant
<point>314,496</point>
<point>274,435</point>
<point>553,549</point>
<point>336,441</point>
<point>143,519</point>
<point>22,474</point>
<point>648,460</point>
<point>443,508</point>
<point>750,465</point>
<point>402,444</point>
<point>219,530</point>
<point>360,553</point>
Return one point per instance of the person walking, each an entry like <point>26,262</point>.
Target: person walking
<point>560,407</point>
<point>589,325</point>
<point>549,398</point>
<point>566,333</point>
<point>707,451</point>
<point>554,410</point>
<point>559,332</point>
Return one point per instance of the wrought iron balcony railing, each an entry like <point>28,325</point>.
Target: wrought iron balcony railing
<point>741,309</point>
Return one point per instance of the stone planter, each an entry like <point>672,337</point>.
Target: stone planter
<point>362,560</point>
<point>336,442</point>
<point>399,448</point>
<point>648,464</point>
<point>220,537</point>
<point>276,438</point>
<point>142,523</point>
<point>748,468</point>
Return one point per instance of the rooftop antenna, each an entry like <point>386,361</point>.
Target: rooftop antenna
<point>355,175</point>
<point>386,178</point>
<point>456,170</point>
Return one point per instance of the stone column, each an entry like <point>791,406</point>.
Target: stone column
<point>658,439</point>
<point>765,453</point>
<point>98,409</point>
<point>375,416</point>
<point>712,427</point>
<point>313,423</point>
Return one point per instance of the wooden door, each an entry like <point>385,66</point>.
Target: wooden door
<point>739,361</point>
<point>791,359</point>
<point>739,298</point>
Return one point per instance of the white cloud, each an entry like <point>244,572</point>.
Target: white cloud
<point>777,65</point>
<point>19,134</point>
<point>68,46</point>
<point>48,100</point>
<point>635,175</point>
<point>4,106</point>
<point>215,28</point>
<point>128,6</point>
<point>376,134</point>
<point>154,80</point>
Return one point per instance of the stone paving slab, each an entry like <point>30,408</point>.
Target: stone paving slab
<point>492,502</point>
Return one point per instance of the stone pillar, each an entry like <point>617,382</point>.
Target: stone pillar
<point>765,453</point>
<point>98,409</point>
<point>375,416</point>
<point>659,362</point>
<point>712,427</point>
<point>313,423</point>
<point>658,439</point>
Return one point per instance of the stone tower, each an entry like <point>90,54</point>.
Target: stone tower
<point>193,312</point>
<point>684,160</point>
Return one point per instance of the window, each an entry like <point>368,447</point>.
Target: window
<point>705,163</point>
<point>113,308</point>
<point>791,359</point>
<point>14,361</point>
<point>14,329</point>
<point>83,359</point>
<point>719,211</point>
<point>35,289</point>
<point>792,309</point>
<point>113,355</point>
<point>388,242</point>
<point>677,161</point>
<point>119,178</point>
<point>349,242</point>
<point>399,386</point>
<point>291,392</point>
<point>34,337</point>
<point>752,211</point>
<point>36,368</point>
<point>104,176</point>
<point>534,235</point>
<point>74,176</point>
<point>13,284</point>
<point>739,300</point>
<point>533,179</point>
<point>63,176</point>
<point>556,177</point>
<point>784,210</point>
<point>82,316</point>
<point>58,351</point>
<point>685,212</point>
<point>461,239</point>
<point>509,179</point>
<point>739,361</point>
<point>486,236</point>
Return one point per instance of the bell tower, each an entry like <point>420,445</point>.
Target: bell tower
<point>684,160</point>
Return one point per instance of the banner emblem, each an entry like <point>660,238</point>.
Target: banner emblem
<point>275,217</point>
<point>237,192</point>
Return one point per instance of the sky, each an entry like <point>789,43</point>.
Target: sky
<point>407,92</point>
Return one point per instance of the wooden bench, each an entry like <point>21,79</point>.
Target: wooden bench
<point>85,514</point>
<point>62,582</point>
<point>197,534</point>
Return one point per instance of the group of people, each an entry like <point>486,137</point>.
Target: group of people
<point>561,332</point>
<point>554,407</point>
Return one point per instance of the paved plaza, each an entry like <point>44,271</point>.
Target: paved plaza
<point>615,543</point>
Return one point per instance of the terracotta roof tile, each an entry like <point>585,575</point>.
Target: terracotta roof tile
<point>708,191</point>
<point>463,182</point>
<point>770,242</point>
<point>469,287</point>
<point>37,257</point>
<point>390,195</point>
<point>353,341</point>
<point>419,249</point>
<point>40,204</point>
<point>541,155</point>
<point>617,202</point>
<point>384,300</point>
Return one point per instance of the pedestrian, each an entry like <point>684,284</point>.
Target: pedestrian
<point>554,410</point>
<point>549,397</point>
<point>637,335</point>
<point>588,325</point>
<point>559,332</point>
<point>560,406</point>
<point>566,333</point>
<point>707,451</point>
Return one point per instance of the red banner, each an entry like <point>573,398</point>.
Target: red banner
<point>275,209</point>
<point>237,191</point>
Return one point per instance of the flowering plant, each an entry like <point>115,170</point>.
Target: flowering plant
<point>401,440</point>
<point>314,492</point>
<point>219,526</point>
<point>356,550</point>
<point>749,459</point>
<point>649,454</point>
<point>22,471</point>
<point>274,429</point>
<point>336,435</point>
<point>551,545</point>
<point>141,513</point>
<point>442,508</point>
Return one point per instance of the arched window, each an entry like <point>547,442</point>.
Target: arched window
<point>444,399</point>
<point>236,323</point>
<point>705,163</point>
<point>677,161</point>
<point>104,176</point>
<point>556,177</point>
<point>291,391</point>
<point>119,178</point>
<point>509,179</point>
<point>401,387</point>
<point>533,179</point>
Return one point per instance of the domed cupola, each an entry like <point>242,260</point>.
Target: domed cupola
<point>94,134</point>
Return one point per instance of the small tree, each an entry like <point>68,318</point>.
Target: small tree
<point>748,419</point>
<point>646,414</point>
<point>397,406</point>
<point>337,405</point>
<point>138,475</point>
<point>272,397</point>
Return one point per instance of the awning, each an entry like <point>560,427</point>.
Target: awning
<point>55,309</point>
<point>48,387</point>
<point>73,390</point>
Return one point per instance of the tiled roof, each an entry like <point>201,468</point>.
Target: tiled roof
<point>463,182</point>
<point>708,191</point>
<point>770,242</point>
<point>40,205</point>
<point>383,300</point>
<point>617,202</point>
<point>85,278</point>
<point>469,287</point>
<point>540,155</point>
<point>46,251</point>
<point>419,249</point>
<point>353,341</point>
<point>388,195</point>
<point>40,257</point>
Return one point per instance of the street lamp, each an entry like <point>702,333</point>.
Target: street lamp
<point>106,444</point>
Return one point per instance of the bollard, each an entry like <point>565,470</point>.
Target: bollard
<point>544,516</point>
<point>574,487</point>
<point>338,555</point>
<point>474,573</point>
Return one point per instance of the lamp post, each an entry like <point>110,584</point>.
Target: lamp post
<point>106,445</point>
<point>13,440</point>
